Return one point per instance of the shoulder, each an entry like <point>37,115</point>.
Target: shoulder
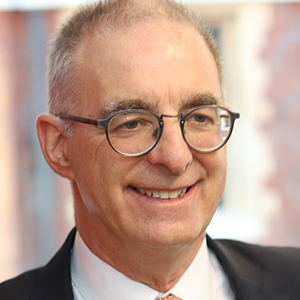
<point>270,268</point>
<point>20,287</point>
<point>273,257</point>
<point>53,281</point>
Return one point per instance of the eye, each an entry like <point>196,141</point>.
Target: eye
<point>132,124</point>
<point>200,118</point>
<point>128,123</point>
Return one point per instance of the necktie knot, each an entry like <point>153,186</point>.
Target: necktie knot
<point>169,297</point>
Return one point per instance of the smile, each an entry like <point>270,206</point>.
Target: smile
<point>165,195</point>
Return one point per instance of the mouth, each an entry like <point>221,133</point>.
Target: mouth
<point>164,195</point>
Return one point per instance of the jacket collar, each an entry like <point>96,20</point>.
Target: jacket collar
<point>245,277</point>
<point>55,278</point>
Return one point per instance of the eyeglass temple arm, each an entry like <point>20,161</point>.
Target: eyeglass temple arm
<point>80,119</point>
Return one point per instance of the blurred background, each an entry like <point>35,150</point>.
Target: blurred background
<point>260,45</point>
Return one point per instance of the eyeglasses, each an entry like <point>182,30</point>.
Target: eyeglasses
<point>135,132</point>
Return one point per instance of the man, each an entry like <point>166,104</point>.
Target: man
<point>138,125</point>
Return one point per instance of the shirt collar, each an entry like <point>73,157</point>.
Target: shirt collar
<point>95,279</point>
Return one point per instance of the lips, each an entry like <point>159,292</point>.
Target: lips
<point>165,195</point>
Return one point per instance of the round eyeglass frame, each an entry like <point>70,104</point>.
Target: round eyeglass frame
<point>105,123</point>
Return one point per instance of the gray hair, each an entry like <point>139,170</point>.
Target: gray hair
<point>99,18</point>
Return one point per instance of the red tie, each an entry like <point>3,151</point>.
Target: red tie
<point>169,297</point>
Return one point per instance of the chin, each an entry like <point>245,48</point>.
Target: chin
<point>165,237</point>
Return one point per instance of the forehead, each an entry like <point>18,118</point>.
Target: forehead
<point>163,63</point>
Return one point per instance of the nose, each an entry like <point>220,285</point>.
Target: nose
<point>171,150</point>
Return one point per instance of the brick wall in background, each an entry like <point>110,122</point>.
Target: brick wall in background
<point>282,53</point>
<point>39,198</point>
<point>37,219</point>
<point>9,234</point>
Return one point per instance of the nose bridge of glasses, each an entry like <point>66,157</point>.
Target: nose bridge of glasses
<point>171,116</point>
<point>178,117</point>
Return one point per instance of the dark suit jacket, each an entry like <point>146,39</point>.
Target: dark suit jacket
<point>254,272</point>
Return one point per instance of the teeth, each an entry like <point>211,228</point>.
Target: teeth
<point>163,194</point>
<point>149,193</point>
<point>156,194</point>
<point>173,194</point>
<point>183,191</point>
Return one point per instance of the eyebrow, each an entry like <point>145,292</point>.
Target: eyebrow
<point>127,104</point>
<point>194,101</point>
<point>200,99</point>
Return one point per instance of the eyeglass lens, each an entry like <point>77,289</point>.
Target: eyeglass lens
<point>133,133</point>
<point>207,128</point>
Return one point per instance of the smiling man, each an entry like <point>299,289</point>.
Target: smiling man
<point>139,126</point>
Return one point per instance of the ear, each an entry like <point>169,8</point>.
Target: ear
<point>54,144</point>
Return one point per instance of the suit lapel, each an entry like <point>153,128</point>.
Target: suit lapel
<point>55,278</point>
<point>245,277</point>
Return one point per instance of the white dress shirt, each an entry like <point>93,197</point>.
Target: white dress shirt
<point>93,279</point>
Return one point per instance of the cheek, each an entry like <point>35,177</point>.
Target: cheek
<point>215,165</point>
<point>218,175</point>
<point>100,172</point>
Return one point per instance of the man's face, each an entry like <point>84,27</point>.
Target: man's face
<point>168,69</point>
